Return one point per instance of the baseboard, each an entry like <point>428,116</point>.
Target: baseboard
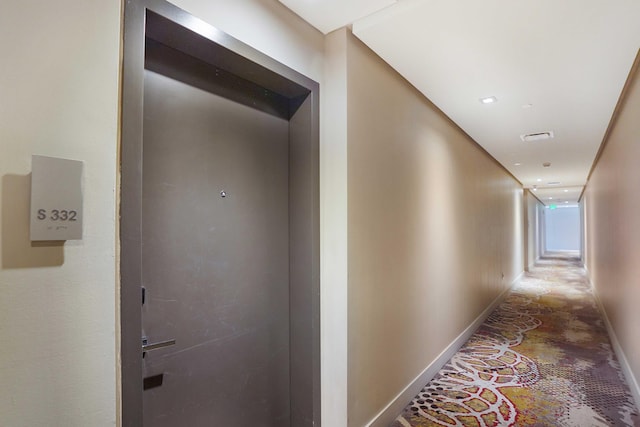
<point>617,348</point>
<point>395,407</point>
<point>587,274</point>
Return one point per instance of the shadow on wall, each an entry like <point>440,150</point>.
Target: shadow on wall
<point>18,251</point>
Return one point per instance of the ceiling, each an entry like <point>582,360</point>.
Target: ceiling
<point>556,66</point>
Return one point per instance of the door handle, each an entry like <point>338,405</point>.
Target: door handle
<point>156,345</point>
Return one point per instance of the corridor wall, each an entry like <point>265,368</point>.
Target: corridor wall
<point>59,86</point>
<point>611,203</point>
<point>435,232</point>
<point>533,213</point>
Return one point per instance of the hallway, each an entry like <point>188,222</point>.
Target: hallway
<point>542,358</point>
<point>416,228</point>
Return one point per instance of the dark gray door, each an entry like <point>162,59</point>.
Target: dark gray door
<point>215,260</point>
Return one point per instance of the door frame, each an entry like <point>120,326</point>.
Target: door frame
<point>180,30</point>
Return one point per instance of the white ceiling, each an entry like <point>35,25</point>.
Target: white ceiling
<point>329,15</point>
<point>553,65</point>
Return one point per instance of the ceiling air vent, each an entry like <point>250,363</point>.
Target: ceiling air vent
<point>539,136</point>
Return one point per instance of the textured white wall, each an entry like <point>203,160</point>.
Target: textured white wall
<point>59,92</point>
<point>333,205</point>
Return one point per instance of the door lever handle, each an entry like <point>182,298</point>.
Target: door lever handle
<point>156,345</point>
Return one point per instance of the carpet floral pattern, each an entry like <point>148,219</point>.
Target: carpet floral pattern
<point>543,358</point>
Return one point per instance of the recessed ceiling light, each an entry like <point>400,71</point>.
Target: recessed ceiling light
<point>489,100</point>
<point>539,179</point>
<point>566,191</point>
<point>550,198</point>
<point>566,202</point>
<point>535,189</point>
<point>517,164</point>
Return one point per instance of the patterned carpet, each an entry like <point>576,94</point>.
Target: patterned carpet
<point>543,358</point>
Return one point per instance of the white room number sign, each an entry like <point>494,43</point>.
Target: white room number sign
<point>56,199</point>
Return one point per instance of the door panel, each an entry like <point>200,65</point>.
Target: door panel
<point>215,269</point>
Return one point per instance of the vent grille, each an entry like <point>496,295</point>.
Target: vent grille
<point>538,136</point>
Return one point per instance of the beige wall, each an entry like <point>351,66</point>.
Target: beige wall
<point>533,211</point>
<point>59,90</point>
<point>333,222</point>
<point>612,204</point>
<point>435,232</point>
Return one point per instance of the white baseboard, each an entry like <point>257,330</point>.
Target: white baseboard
<point>531,266</point>
<point>593,288</point>
<point>622,358</point>
<point>395,407</point>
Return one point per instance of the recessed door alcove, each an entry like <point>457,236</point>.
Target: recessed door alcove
<point>219,214</point>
